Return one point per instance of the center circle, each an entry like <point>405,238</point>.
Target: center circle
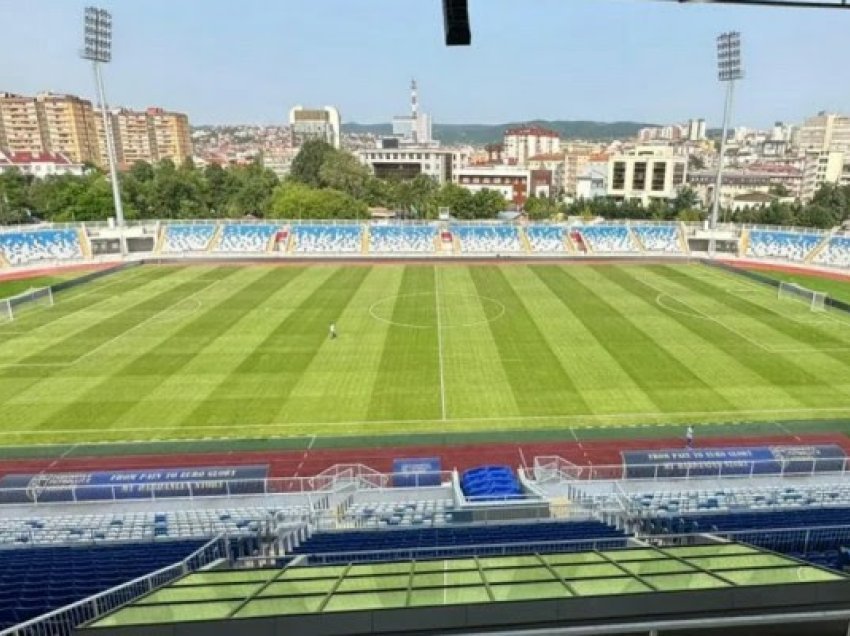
<point>424,310</point>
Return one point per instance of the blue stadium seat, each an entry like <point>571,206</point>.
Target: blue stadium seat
<point>607,238</point>
<point>792,246</point>
<point>330,238</point>
<point>188,238</point>
<point>22,247</point>
<point>547,238</point>
<point>403,239</point>
<point>836,253</point>
<point>249,237</point>
<point>658,238</point>
<point>34,581</point>
<point>489,239</point>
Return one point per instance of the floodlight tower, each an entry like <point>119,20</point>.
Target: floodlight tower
<point>728,71</point>
<point>97,48</point>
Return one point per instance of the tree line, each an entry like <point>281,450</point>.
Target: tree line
<point>327,183</point>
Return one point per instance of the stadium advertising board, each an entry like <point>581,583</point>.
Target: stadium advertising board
<point>133,484</point>
<point>757,460</point>
<point>418,471</point>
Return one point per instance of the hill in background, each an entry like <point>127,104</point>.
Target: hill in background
<point>478,134</point>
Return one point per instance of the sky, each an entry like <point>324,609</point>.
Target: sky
<point>249,61</point>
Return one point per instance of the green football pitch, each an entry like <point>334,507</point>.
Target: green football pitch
<point>176,352</point>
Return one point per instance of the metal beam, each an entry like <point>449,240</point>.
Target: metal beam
<point>456,21</point>
<point>796,4</point>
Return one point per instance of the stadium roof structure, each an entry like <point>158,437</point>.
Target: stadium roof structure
<point>528,591</point>
<point>459,33</point>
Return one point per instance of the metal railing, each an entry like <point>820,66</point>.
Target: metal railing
<point>490,549</point>
<point>549,468</point>
<point>64,621</point>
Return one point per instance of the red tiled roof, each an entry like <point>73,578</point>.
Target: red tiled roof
<point>23,158</point>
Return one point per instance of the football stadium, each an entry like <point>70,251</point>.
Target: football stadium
<point>419,422</point>
<point>339,427</point>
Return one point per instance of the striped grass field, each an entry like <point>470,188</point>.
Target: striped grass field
<point>190,352</point>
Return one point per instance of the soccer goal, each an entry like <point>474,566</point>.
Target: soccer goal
<point>11,306</point>
<point>815,299</point>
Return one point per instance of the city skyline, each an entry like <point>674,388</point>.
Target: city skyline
<point>224,63</point>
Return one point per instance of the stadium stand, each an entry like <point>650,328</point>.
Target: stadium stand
<point>21,248</point>
<point>490,483</point>
<point>607,238</point>
<point>793,246</point>
<point>658,238</point>
<point>546,238</point>
<point>403,238</point>
<point>113,527</point>
<point>327,238</point>
<point>34,581</point>
<point>487,238</point>
<point>247,237</point>
<point>836,253</point>
<point>467,539</point>
<point>408,512</point>
<point>188,238</point>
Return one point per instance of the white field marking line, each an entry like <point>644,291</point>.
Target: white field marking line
<point>111,340</point>
<point>143,323</point>
<point>60,458</point>
<point>784,428</point>
<point>460,421</point>
<point>70,295</point>
<point>304,456</point>
<point>440,341</point>
<point>776,349</point>
<point>745,285</point>
<point>387,321</point>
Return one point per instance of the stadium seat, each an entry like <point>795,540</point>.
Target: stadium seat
<point>329,239</point>
<point>607,238</point>
<point>188,238</point>
<point>546,238</point>
<point>658,238</point>
<point>247,238</point>
<point>402,239</point>
<point>23,247</point>
<point>792,246</point>
<point>836,253</point>
<point>34,581</point>
<point>487,239</point>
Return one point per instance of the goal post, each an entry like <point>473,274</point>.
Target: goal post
<point>11,306</point>
<point>815,299</point>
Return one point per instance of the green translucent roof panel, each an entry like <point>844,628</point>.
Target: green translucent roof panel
<point>217,595</point>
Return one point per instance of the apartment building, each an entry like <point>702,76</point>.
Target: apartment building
<point>825,132</point>
<point>20,130</point>
<point>524,142</point>
<point>70,126</point>
<point>67,125</point>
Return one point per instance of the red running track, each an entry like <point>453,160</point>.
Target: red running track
<point>305,463</point>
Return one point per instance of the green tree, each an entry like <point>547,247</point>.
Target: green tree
<point>457,199</point>
<point>341,171</point>
<point>297,201</point>
<point>685,199</point>
<point>308,162</point>
<point>486,204</point>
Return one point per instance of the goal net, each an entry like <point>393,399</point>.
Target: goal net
<point>816,300</point>
<point>10,307</point>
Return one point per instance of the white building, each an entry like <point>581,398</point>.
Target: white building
<point>314,123</point>
<point>592,182</point>
<point>392,160</point>
<point>40,164</point>
<point>645,174</point>
<point>819,168</point>
<point>825,132</point>
<point>514,183</point>
<point>522,143</point>
<point>696,130</point>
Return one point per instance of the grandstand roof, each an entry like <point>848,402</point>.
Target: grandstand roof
<point>303,597</point>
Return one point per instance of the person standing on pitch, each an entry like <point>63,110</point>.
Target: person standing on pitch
<point>689,437</point>
<point>332,331</point>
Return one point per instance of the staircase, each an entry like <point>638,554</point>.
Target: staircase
<point>3,261</point>
<point>270,246</point>
<point>810,257</point>
<point>85,245</point>
<point>636,239</point>
<point>160,239</point>
<point>744,242</point>
<point>215,241</point>
<point>290,242</point>
<point>523,239</point>
<point>365,240</point>
<point>683,238</point>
